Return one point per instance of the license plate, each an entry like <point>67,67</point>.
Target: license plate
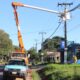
<point>14,72</point>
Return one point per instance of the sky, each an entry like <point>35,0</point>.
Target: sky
<point>32,21</point>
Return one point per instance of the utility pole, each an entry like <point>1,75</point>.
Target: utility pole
<point>64,17</point>
<point>42,34</point>
<point>42,54</point>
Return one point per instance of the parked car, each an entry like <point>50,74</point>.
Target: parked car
<point>15,68</point>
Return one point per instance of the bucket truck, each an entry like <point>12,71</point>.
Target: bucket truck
<point>20,53</point>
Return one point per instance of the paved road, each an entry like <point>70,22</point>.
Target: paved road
<point>28,77</point>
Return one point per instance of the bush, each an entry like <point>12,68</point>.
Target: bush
<point>61,72</point>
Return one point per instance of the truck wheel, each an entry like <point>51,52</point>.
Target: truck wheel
<point>24,78</point>
<point>5,77</point>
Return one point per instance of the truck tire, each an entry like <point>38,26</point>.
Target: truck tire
<point>5,77</point>
<point>24,77</point>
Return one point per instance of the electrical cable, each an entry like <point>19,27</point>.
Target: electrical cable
<point>74,28</point>
<point>55,30</point>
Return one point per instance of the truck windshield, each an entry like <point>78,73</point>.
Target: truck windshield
<point>17,62</point>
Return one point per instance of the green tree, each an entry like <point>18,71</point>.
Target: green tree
<point>5,43</point>
<point>34,56</point>
<point>32,53</point>
<point>48,44</point>
<point>52,44</point>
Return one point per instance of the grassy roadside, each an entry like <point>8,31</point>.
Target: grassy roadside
<point>60,72</point>
<point>35,75</point>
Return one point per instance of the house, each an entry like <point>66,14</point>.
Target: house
<point>53,56</point>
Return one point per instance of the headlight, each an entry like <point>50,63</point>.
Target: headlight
<point>23,70</point>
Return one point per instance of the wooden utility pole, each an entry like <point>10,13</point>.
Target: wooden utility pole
<point>64,17</point>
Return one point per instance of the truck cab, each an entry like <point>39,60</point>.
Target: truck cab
<point>15,68</point>
<point>19,55</point>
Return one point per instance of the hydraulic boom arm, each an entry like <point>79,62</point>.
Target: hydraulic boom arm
<point>21,45</point>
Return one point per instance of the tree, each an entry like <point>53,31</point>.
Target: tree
<point>32,53</point>
<point>5,43</point>
<point>74,49</point>
<point>34,56</point>
<point>48,44</point>
<point>52,44</point>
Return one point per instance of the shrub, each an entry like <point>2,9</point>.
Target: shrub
<point>61,72</point>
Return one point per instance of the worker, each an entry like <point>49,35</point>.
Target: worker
<point>74,58</point>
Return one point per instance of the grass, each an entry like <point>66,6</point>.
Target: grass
<point>60,72</point>
<point>35,76</point>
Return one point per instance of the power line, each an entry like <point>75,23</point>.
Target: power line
<point>75,27</point>
<point>51,34</point>
<point>55,30</point>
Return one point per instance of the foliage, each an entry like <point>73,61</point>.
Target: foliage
<point>34,56</point>
<point>5,43</point>
<point>52,44</point>
<point>61,72</point>
<point>73,49</point>
<point>32,53</point>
